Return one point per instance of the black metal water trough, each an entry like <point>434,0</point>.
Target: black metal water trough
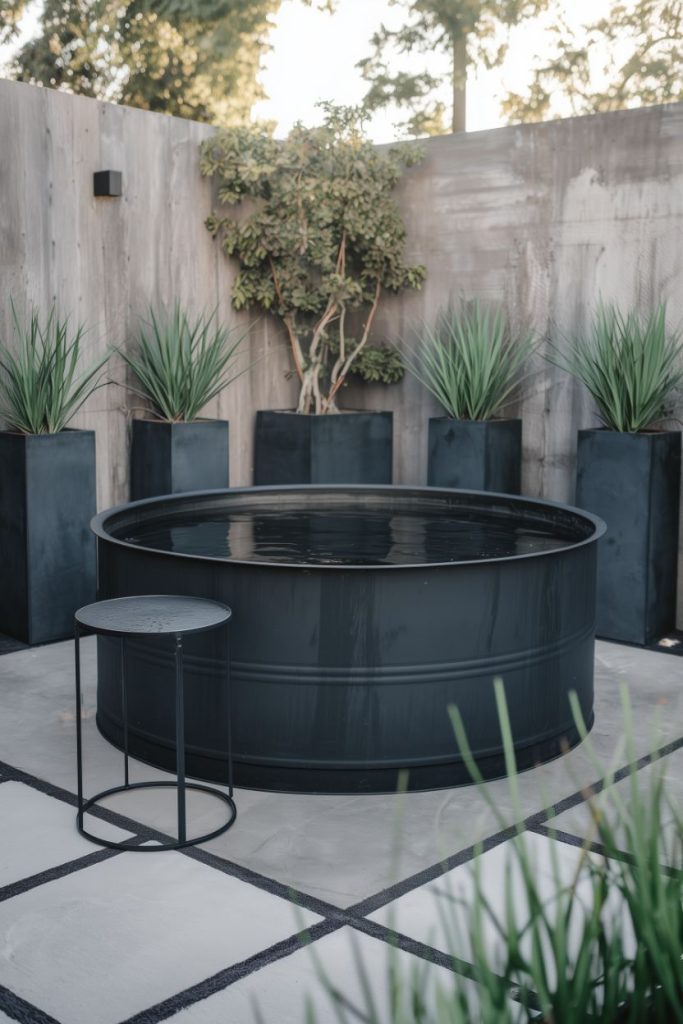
<point>360,615</point>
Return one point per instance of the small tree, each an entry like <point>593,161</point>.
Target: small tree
<point>319,238</point>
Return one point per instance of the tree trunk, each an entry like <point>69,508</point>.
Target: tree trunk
<point>310,400</point>
<point>459,118</point>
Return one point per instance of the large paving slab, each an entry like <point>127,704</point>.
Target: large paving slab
<point>339,848</point>
<point>104,943</point>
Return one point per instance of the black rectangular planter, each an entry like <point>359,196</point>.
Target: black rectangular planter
<point>632,481</point>
<point>340,448</point>
<point>475,455</point>
<point>169,458</point>
<point>47,552</point>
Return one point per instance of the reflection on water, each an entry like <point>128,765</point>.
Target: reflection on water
<point>351,535</point>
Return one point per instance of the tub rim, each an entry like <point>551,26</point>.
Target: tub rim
<point>99,522</point>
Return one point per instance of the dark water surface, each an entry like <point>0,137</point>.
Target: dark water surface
<point>367,535</point>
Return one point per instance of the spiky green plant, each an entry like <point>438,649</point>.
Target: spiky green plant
<point>182,362</point>
<point>631,364</point>
<point>605,947</point>
<point>40,386</point>
<point>470,360</point>
<point>652,897</point>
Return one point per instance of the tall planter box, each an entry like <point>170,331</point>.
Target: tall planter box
<point>475,455</point>
<point>47,551</point>
<point>632,481</point>
<point>341,448</point>
<point>168,458</point>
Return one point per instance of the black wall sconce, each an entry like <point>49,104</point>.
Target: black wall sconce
<point>107,183</point>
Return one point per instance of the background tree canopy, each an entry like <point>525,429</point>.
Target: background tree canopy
<point>633,57</point>
<point>465,31</point>
<point>10,13</point>
<point>193,58</point>
<point>201,58</point>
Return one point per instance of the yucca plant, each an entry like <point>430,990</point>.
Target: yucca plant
<point>631,364</point>
<point>605,947</point>
<point>184,361</point>
<point>470,360</point>
<point>41,388</point>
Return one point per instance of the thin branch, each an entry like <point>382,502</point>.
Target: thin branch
<point>359,347</point>
<point>331,309</point>
<point>297,351</point>
<point>341,358</point>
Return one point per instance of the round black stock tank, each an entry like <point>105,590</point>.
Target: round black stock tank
<point>360,614</point>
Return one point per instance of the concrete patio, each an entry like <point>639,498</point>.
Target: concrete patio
<point>93,936</point>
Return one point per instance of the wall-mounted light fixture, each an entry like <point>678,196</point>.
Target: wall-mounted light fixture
<point>107,183</point>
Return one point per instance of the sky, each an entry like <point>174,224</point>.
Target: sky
<point>314,54</point>
<point>314,57</point>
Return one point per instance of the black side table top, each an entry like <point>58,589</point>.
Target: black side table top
<point>155,615</point>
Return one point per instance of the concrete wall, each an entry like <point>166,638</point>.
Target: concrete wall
<point>105,260</point>
<point>545,218</point>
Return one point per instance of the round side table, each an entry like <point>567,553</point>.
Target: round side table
<point>158,616</point>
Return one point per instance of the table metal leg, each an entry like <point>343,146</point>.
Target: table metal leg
<point>180,783</point>
<point>229,697</point>
<point>180,736</point>
<point>124,709</point>
<point>79,742</point>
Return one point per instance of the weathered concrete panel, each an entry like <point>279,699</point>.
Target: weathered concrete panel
<point>545,218</point>
<point>105,260</point>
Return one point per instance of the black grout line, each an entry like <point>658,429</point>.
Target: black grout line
<point>143,832</point>
<point>379,899</point>
<point>414,946</point>
<point>584,794</point>
<point>392,892</point>
<point>336,917</point>
<point>354,916</point>
<point>406,885</point>
<point>594,847</point>
<point>433,955</point>
<point>7,892</point>
<point>69,867</point>
<point>22,1011</point>
<point>270,885</point>
<point>223,979</point>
